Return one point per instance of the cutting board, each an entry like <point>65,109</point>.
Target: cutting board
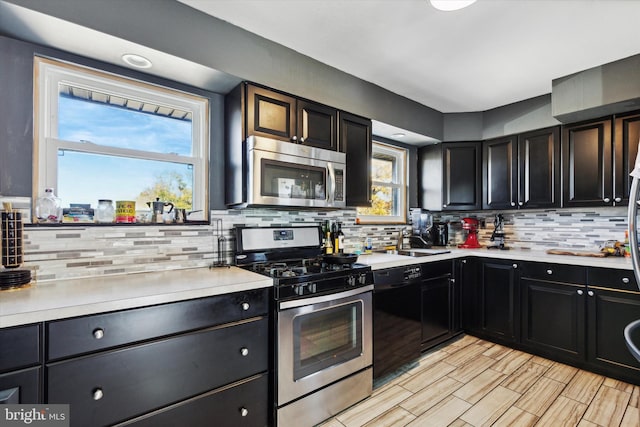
<point>577,253</point>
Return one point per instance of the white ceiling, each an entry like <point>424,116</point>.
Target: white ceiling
<point>493,53</point>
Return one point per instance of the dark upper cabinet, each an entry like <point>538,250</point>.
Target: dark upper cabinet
<point>522,171</point>
<point>356,143</point>
<point>450,176</point>
<point>587,168</point>
<point>260,111</point>
<point>627,137</point>
<point>500,173</point>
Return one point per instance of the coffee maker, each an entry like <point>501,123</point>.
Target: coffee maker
<point>440,234</point>
<point>421,228</point>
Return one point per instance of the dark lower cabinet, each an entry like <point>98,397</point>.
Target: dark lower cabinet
<point>20,359</point>
<point>553,318</point>
<point>20,386</point>
<point>498,300</point>
<point>241,404</point>
<point>609,311</point>
<point>440,301</point>
<point>466,277</point>
<point>113,386</point>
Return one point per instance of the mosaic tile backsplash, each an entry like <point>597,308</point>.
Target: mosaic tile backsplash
<point>78,252</point>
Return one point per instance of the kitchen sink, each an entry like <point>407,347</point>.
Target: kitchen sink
<point>415,252</point>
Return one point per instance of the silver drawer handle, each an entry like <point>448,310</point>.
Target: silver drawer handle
<point>98,333</point>
<point>514,265</point>
<point>580,292</point>
<point>97,394</point>
<point>245,306</point>
<point>625,280</point>
<point>549,271</point>
<point>244,412</point>
<point>590,293</point>
<point>244,351</point>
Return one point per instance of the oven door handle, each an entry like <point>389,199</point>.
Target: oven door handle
<point>324,298</point>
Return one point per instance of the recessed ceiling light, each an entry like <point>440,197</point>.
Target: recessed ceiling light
<point>398,135</point>
<point>449,5</point>
<point>136,60</point>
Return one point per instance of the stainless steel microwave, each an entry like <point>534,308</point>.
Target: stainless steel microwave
<point>280,173</point>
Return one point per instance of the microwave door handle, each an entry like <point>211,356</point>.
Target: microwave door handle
<point>331,184</point>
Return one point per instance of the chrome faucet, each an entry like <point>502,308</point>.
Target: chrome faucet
<point>402,233</point>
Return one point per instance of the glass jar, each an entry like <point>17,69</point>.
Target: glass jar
<point>48,207</point>
<point>105,213</point>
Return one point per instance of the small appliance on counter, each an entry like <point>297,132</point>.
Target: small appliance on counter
<point>498,235</point>
<point>440,234</point>
<point>421,228</point>
<point>12,277</point>
<point>471,225</point>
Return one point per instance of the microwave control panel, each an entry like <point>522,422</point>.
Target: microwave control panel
<point>339,185</point>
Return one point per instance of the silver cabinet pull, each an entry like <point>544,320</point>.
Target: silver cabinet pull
<point>301,140</point>
<point>98,394</point>
<point>580,292</point>
<point>549,271</point>
<point>606,200</point>
<point>294,139</point>
<point>617,199</point>
<point>514,265</point>
<point>513,203</point>
<point>520,203</point>
<point>245,306</point>
<point>464,261</point>
<point>98,333</point>
<point>244,411</point>
<point>244,351</point>
<point>625,280</point>
<point>590,293</point>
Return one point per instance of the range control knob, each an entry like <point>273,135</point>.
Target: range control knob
<point>362,279</point>
<point>312,288</point>
<point>298,289</point>
<point>351,280</point>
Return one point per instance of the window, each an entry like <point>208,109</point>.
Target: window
<point>389,186</point>
<point>102,136</point>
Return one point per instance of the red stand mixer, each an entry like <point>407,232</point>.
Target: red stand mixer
<point>471,225</point>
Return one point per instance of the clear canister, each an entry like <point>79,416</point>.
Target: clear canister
<point>105,212</point>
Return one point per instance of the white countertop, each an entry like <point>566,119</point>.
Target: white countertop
<point>379,260</point>
<point>77,297</point>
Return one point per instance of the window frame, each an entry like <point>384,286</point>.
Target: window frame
<point>400,182</point>
<point>49,73</point>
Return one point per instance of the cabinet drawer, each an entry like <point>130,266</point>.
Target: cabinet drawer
<point>19,347</point>
<point>90,333</point>
<point>555,272</point>
<point>118,385</point>
<point>241,405</point>
<point>436,269</point>
<point>613,278</point>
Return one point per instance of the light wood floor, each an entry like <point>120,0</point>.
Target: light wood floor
<point>472,382</point>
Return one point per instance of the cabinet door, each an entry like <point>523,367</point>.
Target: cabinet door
<point>317,125</point>
<point>608,313</point>
<point>270,114</point>
<point>627,135</point>
<point>461,181</point>
<point>466,277</point>
<point>20,386</point>
<point>553,318</point>
<point>587,164</point>
<point>499,301</point>
<point>355,141</point>
<point>539,169</point>
<point>437,301</point>
<point>499,173</point>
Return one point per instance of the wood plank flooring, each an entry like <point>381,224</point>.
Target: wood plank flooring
<point>474,383</point>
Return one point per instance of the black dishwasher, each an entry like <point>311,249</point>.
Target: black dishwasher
<point>397,325</point>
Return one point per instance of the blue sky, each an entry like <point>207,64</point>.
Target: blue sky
<point>85,178</point>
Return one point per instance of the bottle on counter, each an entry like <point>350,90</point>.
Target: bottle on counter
<point>627,247</point>
<point>338,240</point>
<point>48,207</point>
<point>328,242</point>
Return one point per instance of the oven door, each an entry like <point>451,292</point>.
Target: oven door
<point>322,340</point>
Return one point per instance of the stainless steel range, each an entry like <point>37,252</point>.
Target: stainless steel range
<point>323,322</point>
